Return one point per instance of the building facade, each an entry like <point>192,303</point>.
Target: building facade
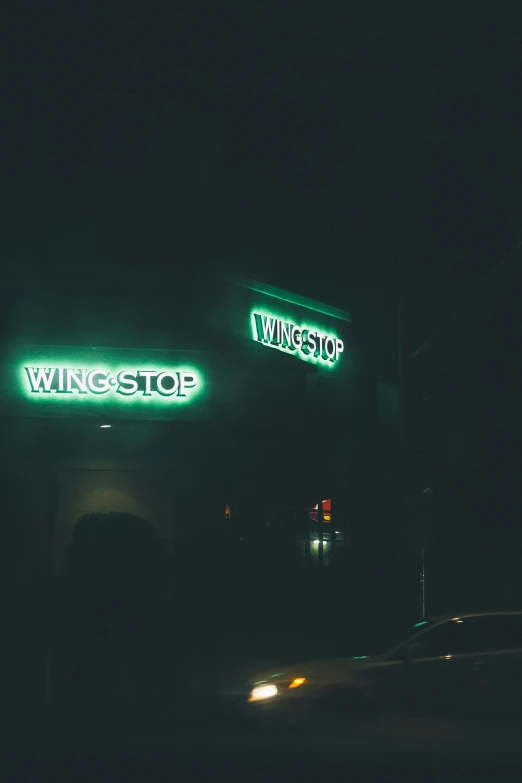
<point>171,399</point>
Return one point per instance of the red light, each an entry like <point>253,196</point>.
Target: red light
<point>326,506</point>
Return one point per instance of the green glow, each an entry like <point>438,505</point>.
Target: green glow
<point>261,682</point>
<point>64,382</point>
<point>422,622</point>
<point>295,299</point>
<point>359,657</point>
<point>306,341</point>
<point>69,381</point>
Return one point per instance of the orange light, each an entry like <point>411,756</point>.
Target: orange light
<point>227,512</point>
<point>297,682</point>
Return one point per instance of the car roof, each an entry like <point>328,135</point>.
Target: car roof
<point>461,615</point>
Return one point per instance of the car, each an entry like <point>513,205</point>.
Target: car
<point>466,663</point>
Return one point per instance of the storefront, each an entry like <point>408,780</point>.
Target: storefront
<point>169,404</point>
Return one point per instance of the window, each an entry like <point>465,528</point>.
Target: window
<point>472,634</point>
<point>502,632</point>
<point>441,640</point>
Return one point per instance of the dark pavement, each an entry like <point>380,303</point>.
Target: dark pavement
<point>391,749</point>
<point>394,738</point>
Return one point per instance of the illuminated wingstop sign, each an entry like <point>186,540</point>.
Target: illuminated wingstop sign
<point>124,383</point>
<point>307,343</point>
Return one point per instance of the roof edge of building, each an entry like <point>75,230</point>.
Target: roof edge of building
<point>294,298</point>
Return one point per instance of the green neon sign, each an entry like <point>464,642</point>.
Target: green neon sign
<point>307,342</point>
<point>128,382</point>
<point>92,382</point>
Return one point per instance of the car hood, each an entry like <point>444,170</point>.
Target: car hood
<point>328,671</point>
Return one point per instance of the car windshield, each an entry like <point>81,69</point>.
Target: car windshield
<point>375,639</point>
<point>400,635</point>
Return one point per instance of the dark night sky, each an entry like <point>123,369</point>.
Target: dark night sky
<point>272,138</point>
<point>326,147</point>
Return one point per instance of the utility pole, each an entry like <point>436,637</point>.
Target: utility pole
<point>320,536</point>
<point>53,489</point>
<point>410,263</point>
<point>423,584</point>
<point>400,366</point>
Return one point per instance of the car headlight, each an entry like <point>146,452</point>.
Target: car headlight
<point>260,692</point>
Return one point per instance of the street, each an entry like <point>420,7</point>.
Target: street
<point>393,737</point>
<point>440,749</point>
